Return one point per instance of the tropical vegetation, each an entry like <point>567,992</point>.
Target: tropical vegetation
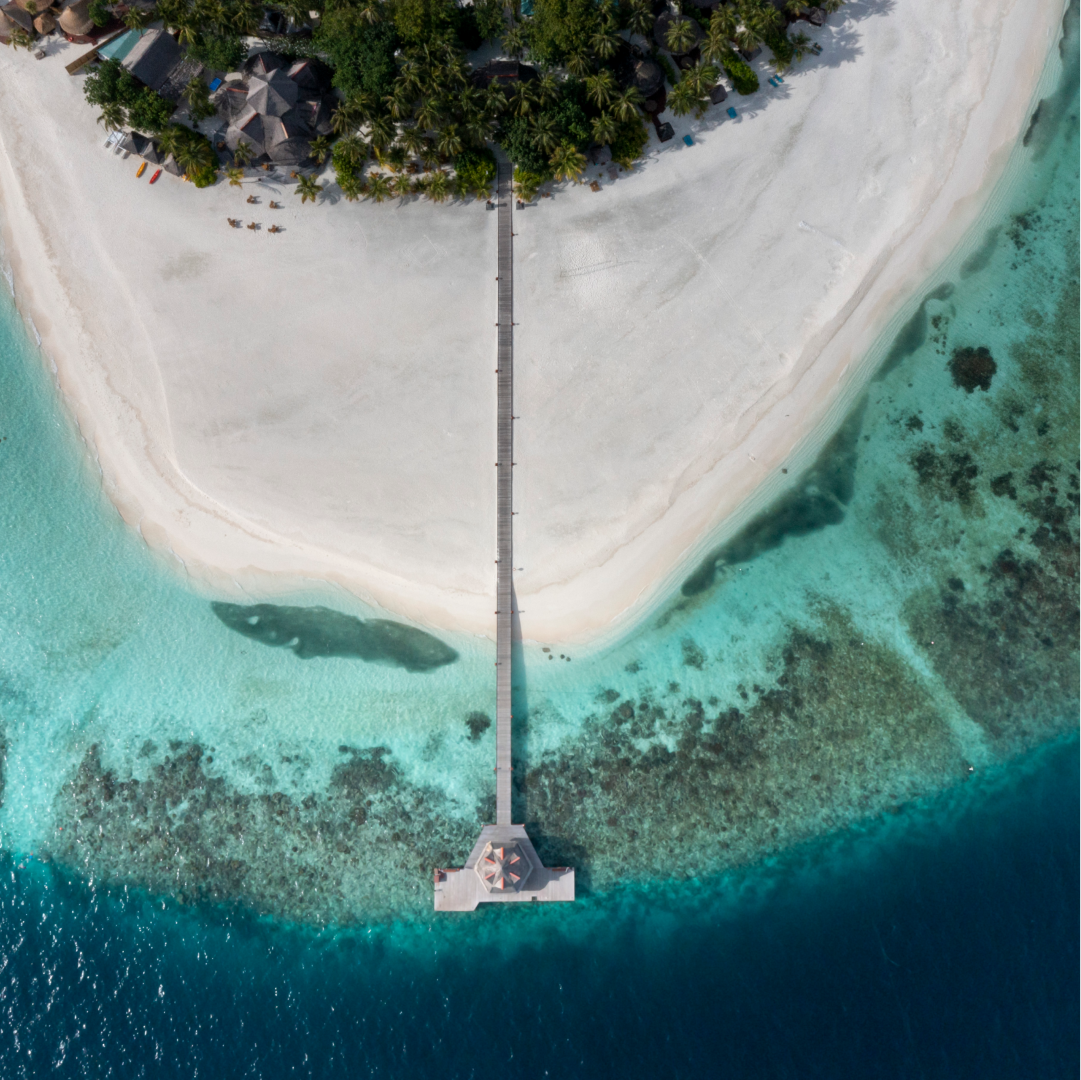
<point>416,120</point>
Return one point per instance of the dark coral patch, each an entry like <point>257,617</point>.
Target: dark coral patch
<point>972,368</point>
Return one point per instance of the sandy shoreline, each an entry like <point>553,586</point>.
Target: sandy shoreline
<point>320,405</point>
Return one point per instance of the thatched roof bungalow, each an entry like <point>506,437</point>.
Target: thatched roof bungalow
<point>19,16</point>
<point>648,77</point>
<point>75,21</point>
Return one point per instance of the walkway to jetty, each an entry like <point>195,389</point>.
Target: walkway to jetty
<point>503,865</point>
<point>504,496</point>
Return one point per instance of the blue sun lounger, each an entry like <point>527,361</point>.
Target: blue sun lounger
<point>731,112</point>
<point>688,141</point>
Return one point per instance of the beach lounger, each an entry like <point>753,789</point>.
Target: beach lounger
<point>214,85</point>
<point>141,170</point>
<point>731,112</point>
<point>779,78</point>
<point>773,81</point>
<point>688,141</point>
<point>155,176</point>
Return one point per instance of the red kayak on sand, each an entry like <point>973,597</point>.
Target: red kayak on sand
<point>155,176</point>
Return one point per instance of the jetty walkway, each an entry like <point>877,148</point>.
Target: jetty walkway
<point>503,865</point>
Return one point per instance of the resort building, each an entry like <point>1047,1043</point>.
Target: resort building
<point>277,108</point>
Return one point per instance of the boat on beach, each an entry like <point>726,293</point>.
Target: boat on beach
<point>157,173</point>
<point>140,170</point>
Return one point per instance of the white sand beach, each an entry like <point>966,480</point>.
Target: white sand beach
<point>320,404</point>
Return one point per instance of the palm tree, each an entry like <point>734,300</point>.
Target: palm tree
<point>515,41</point>
<point>478,129</point>
<point>429,155</point>
<point>794,7</point>
<point>546,134</point>
<point>370,11</point>
<point>381,131</point>
<point>526,184</point>
<point>625,105</point>
<point>399,102</point>
<point>112,116</point>
<point>683,97</point>
<point>547,89</point>
<point>604,43</point>
<point>578,63</point>
<point>395,157</point>
<point>830,6</point>
<point>193,154</point>
<point>402,185</point>
<point>243,153</point>
<point>428,114</point>
<point>449,141</point>
<point>568,163</point>
<point>412,138</point>
<point>308,188</point>
<point>701,78</point>
<point>351,148</point>
<point>234,175</point>
<point>723,25</point>
<point>605,128</point>
<point>641,17</point>
<point>801,45</point>
<point>137,18</point>
<point>170,139</point>
<point>522,99</point>
<point>320,148</point>
<point>438,186</point>
<point>352,186</point>
<point>680,36</point>
<point>379,188</point>
<point>601,88</point>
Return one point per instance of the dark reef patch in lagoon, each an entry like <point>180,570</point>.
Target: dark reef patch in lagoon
<point>973,369</point>
<point>818,500</point>
<point>320,631</point>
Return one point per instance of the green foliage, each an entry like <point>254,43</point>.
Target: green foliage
<point>668,68</point>
<point>361,53</point>
<point>529,141</point>
<point>198,98</point>
<point>476,170</point>
<point>560,28</point>
<point>744,79</point>
<point>99,13</point>
<point>631,139</point>
<point>421,22</point>
<point>219,52</point>
<point>149,111</point>
<point>526,183</point>
<point>123,100</point>
<point>110,84</point>
<point>489,18</point>
<point>781,47</point>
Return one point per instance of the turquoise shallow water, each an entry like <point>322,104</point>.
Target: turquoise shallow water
<point>906,615</point>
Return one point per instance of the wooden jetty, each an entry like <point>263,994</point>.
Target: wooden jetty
<point>503,866</point>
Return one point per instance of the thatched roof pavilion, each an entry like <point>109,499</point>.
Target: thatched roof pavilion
<point>75,19</point>
<point>648,77</point>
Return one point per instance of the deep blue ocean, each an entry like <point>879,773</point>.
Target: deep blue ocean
<point>822,803</point>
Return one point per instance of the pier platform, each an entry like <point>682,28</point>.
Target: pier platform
<point>502,868</point>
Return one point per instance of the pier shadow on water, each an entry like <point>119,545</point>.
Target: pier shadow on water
<point>320,631</point>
